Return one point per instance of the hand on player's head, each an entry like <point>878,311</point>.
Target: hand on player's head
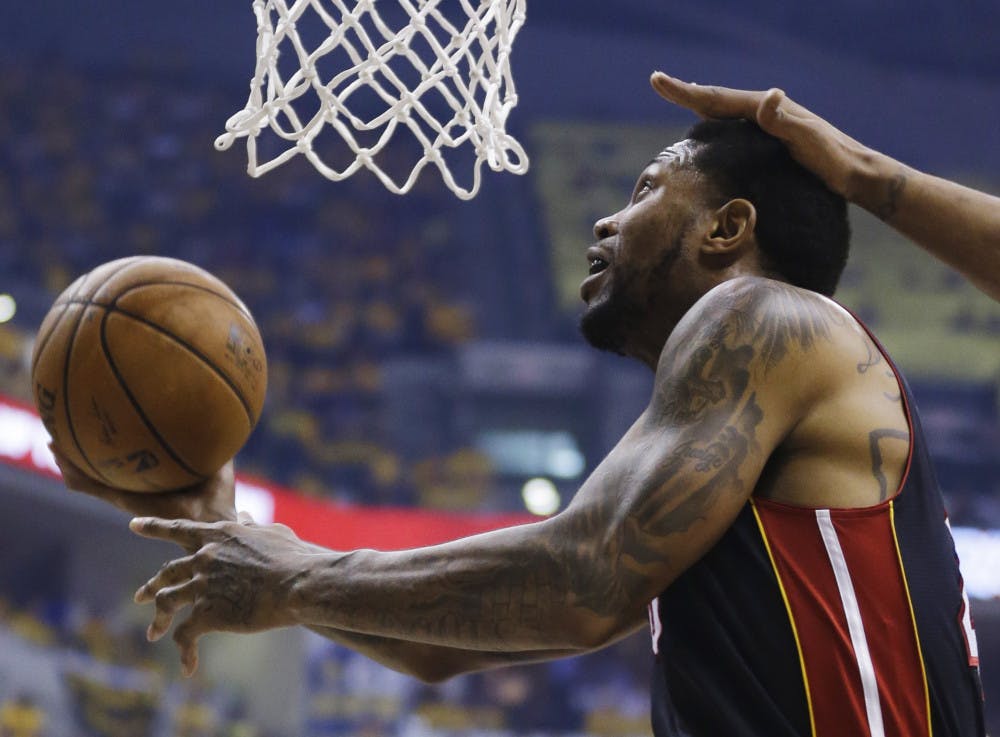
<point>209,501</point>
<point>817,145</point>
<point>721,102</point>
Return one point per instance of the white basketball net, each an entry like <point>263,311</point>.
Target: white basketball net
<point>459,92</point>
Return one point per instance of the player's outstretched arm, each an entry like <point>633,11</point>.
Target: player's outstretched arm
<point>252,605</point>
<point>729,386</point>
<point>957,224</point>
<point>436,663</point>
<point>212,501</point>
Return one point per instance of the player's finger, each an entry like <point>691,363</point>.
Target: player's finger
<point>168,602</point>
<point>770,113</point>
<point>171,573</point>
<point>708,101</point>
<point>244,518</point>
<point>786,120</point>
<point>76,480</point>
<point>189,535</point>
<point>186,636</point>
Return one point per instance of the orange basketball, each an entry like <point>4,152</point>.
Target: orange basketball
<point>149,373</point>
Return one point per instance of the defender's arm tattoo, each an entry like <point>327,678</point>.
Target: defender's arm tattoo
<point>888,208</point>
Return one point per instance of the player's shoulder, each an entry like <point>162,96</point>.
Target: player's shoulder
<point>768,299</point>
<point>753,303</point>
<point>752,337</point>
<point>770,322</point>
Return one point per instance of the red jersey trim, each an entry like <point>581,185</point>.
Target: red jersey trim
<point>791,617</point>
<point>845,592</point>
<point>854,619</point>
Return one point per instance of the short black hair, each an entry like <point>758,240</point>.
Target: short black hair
<point>802,228</point>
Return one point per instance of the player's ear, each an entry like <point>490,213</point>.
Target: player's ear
<point>731,229</point>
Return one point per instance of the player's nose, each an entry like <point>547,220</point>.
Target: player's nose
<point>606,227</point>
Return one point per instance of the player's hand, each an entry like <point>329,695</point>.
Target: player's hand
<point>240,579</point>
<point>827,152</point>
<point>210,501</point>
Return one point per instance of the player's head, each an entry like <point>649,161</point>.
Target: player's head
<point>802,231</point>
<point>727,201</point>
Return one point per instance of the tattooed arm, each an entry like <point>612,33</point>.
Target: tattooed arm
<point>729,387</point>
<point>959,225</point>
<point>435,663</point>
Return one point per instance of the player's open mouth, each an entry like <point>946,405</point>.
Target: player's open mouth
<point>598,258</point>
<point>597,265</point>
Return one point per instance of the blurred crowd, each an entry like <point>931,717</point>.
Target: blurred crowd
<point>340,277</point>
<point>68,672</point>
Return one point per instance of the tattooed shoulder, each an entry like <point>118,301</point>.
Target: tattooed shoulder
<point>741,330</point>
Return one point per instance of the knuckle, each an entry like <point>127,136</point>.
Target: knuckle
<point>164,599</point>
<point>199,585</point>
<point>207,553</point>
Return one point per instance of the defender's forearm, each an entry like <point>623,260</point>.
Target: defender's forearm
<point>959,225</point>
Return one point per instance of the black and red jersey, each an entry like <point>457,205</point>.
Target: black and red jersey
<point>823,623</point>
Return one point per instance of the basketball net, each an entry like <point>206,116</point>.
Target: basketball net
<point>467,63</point>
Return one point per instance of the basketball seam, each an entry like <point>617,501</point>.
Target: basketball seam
<point>65,306</point>
<point>199,355</point>
<point>187,346</point>
<point>170,282</point>
<point>69,416</point>
<point>135,405</point>
<point>48,336</point>
<point>66,362</point>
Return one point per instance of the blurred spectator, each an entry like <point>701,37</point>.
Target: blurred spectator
<point>21,717</point>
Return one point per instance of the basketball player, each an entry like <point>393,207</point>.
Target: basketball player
<point>771,516</point>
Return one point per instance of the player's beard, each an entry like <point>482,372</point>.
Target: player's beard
<point>609,324</point>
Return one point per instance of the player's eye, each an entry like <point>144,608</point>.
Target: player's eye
<point>645,185</point>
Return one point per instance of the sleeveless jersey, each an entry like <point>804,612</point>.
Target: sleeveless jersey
<point>805,622</point>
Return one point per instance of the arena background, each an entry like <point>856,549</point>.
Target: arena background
<point>424,358</point>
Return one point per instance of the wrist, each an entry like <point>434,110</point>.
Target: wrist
<point>305,579</point>
<point>875,182</point>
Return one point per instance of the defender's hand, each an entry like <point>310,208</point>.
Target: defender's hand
<point>240,579</point>
<point>210,501</point>
<point>827,152</point>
